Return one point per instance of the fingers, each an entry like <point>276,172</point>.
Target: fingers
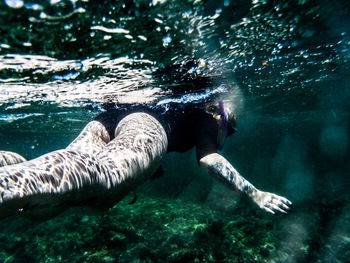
<point>272,208</point>
<point>268,210</point>
<point>272,203</point>
<point>279,203</point>
<point>284,200</point>
<point>277,208</point>
<point>283,206</point>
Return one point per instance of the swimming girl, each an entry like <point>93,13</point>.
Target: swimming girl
<point>117,151</point>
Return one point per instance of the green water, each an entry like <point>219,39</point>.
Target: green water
<point>60,61</point>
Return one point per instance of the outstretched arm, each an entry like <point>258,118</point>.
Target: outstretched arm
<point>217,166</point>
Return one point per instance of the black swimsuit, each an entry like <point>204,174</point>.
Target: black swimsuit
<point>186,125</point>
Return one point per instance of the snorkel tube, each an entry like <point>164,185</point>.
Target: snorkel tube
<point>223,114</point>
<point>230,129</point>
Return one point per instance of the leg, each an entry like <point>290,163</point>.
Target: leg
<point>8,158</point>
<point>139,143</point>
<point>67,177</point>
<point>91,140</point>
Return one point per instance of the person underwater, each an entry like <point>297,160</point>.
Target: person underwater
<point>120,149</point>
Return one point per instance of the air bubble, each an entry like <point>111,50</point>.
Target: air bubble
<point>167,40</point>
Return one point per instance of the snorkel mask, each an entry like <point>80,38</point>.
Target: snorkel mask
<point>228,122</point>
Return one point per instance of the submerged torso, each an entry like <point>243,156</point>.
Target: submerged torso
<point>186,125</point>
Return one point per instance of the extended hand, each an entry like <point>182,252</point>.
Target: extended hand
<point>221,169</point>
<point>271,202</point>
